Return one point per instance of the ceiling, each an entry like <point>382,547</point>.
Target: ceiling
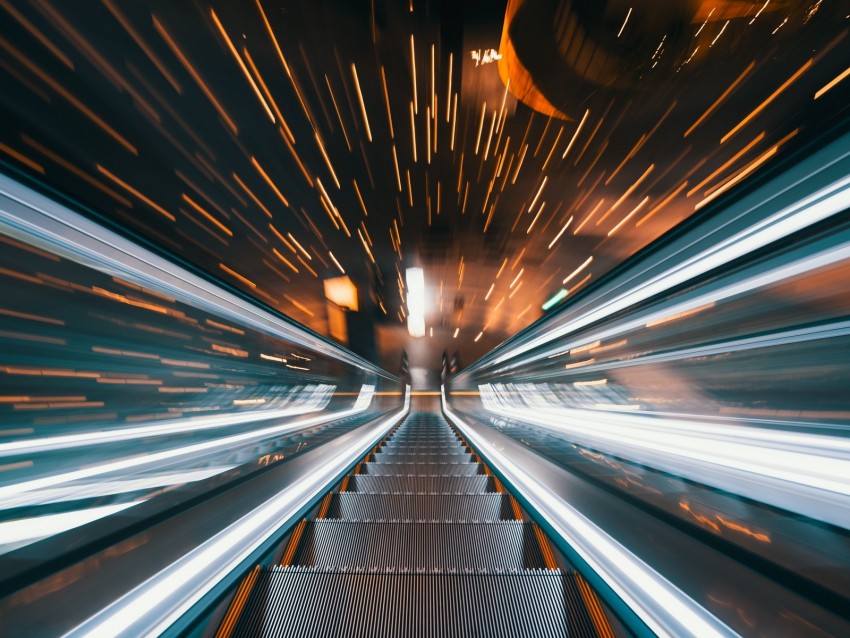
<point>511,149</point>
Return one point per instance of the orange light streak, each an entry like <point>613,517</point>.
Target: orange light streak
<point>720,100</point>
<point>269,181</point>
<point>480,126</point>
<point>251,195</point>
<point>242,66</point>
<point>413,71</point>
<point>284,259</point>
<point>232,272</point>
<point>38,35</point>
<point>770,99</point>
<point>362,103</point>
<point>662,204</point>
<point>256,72</point>
<point>629,216</point>
<point>628,192</point>
<point>206,214</point>
<point>122,20</point>
<point>387,101</point>
<point>838,78</point>
<point>575,135</point>
<point>195,75</point>
<point>136,193</point>
<point>739,176</point>
<point>23,159</point>
<point>34,70</point>
<point>727,164</point>
<point>297,159</point>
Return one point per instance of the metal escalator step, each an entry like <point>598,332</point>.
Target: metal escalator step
<point>421,469</point>
<point>303,602</point>
<point>425,450</point>
<point>422,547</point>
<point>442,456</point>
<point>356,506</point>
<point>421,484</point>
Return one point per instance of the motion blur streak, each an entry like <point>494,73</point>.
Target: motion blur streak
<point>804,473</point>
<point>155,604</point>
<point>665,609</point>
<point>221,443</point>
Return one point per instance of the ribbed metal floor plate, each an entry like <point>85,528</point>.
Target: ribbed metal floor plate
<point>422,469</point>
<point>302,602</point>
<point>355,506</point>
<point>353,545</point>
<point>421,484</point>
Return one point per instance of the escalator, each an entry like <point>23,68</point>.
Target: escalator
<point>421,539</point>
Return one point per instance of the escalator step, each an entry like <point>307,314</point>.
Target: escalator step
<point>356,506</point>
<point>421,469</point>
<point>421,484</point>
<point>373,546</point>
<point>442,456</point>
<point>296,602</point>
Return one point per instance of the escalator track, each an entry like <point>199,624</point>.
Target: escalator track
<point>421,539</point>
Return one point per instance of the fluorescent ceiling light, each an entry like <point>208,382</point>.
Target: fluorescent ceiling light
<point>415,301</point>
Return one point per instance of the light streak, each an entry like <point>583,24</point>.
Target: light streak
<point>387,101</point>
<point>539,191</point>
<point>413,72</point>
<point>519,274</point>
<point>480,127</point>
<point>720,100</point>
<point>413,130</point>
<point>629,216</point>
<point>624,22</point>
<point>327,159</point>
<point>663,203</point>
<point>251,194</point>
<point>758,138</point>
<point>584,265</point>
<point>242,66</point>
<point>206,214</point>
<point>61,90</point>
<point>195,75</point>
<point>362,103</point>
<point>232,272</point>
<point>133,191</point>
<point>770,99</point>
<point>269,181</point>
<point>628,192</point>
<point>128,27</point>
<point>561,232</point>
<point>829,85</point>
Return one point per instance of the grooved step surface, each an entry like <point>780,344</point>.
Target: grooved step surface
<point>421,484</point>
<point>421,469</point>
<point>302,602</point>
<point>356,506</point>
<point>354,545</point>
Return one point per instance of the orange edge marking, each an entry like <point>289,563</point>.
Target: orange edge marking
<point>294,540</point>
<point>545,548</point>
<point>326,504</point>
<point>238,604</point>
<point>594,608</point>
<point>516,508</point>
<point>343,487</point>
